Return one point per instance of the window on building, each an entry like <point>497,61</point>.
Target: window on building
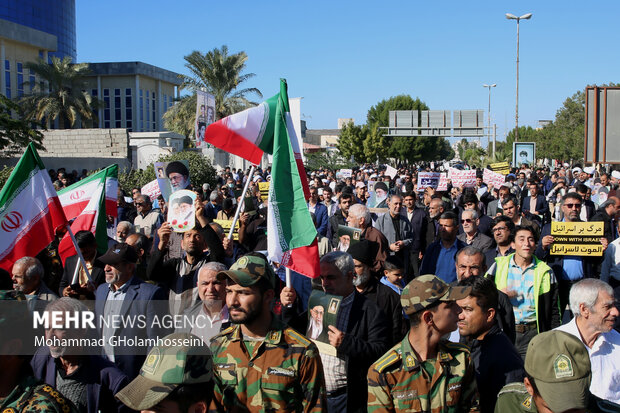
<point>94,93</point>
<point>128,110</point>
<point>106,110</point>
<point>20,79</point>
<point>148,110</point>
<point>7,77</point>
<point>154,108</point>
<point>118,114</point>
<point>165,103</point>
<point>141,111</point>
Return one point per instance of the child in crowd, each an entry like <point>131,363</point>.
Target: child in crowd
<point>393,274</point>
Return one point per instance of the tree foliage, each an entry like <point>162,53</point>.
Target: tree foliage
<point>221,75</point>
<point>351,142</point>
<point>379,114</point>
<point>59,93</point>
<point>181,118</point>
<point>15,132</point>
<point>200,171</point>
<point>326,159</point>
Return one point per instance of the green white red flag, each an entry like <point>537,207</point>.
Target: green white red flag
<point>89,201</point>
<point>30,210</point>
<point>291,235</point>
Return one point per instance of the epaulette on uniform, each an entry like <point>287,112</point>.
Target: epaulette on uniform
<point>222,333</point>
<point>389,359</point>
<point>518,388</point>
<point>298,338</point>
<point>457,346</point>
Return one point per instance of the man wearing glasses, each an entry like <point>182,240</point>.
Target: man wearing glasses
<point>503,234</point>
<point>148,219</point>
<point>569,269</point>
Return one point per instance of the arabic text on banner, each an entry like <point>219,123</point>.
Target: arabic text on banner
<point>465,179</point>
<point>426,179</point>
<point>577,238</point>
<point>225,223</point>
<point>493,178</point>
<point>500,167</point>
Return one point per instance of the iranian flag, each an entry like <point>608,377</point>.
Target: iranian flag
<point>30,210</point>
<point>89,201</point>
<point>249,134</point>
<point>291,235</point>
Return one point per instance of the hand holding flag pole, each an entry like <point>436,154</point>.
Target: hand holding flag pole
<point>241,203</point>
<point>82,261</point>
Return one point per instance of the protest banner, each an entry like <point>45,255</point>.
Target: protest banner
<point>263,187</point>
<point>390,171</point>
<point>151,189</point>
<point>428,179</point>
<point>346,173</point>
<point>500,167</point>
<point>443,182</point>
<point>322,313</point>
<point>225,224</point>
<point>462,179</point>
<point>493,178</point>
<point>205,115</point>
<point>577,238</point>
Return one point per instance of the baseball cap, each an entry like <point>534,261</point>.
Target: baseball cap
<point>425,290</point>
<point>360,184</point>
<point>166,367</point>
<point>560,365</point>
<point>248,270</point>
<point>118,253</point>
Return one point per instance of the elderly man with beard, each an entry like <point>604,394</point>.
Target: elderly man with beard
<point>359,217</point>
<point>210,314</point>
<point>87,379</point>
<point>593,303</point>
<point>262,364</point>
<point>383,296</point>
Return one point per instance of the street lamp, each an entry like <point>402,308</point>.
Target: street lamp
<point>513,17</point>
<point>489,114</point>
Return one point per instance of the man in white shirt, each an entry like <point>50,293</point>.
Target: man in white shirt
<point>592,301</point>
<point>610,269</point>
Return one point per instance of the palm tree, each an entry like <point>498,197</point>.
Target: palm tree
<point>59,93</point>
<point>220,74</point>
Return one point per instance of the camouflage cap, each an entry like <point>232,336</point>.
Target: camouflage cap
<point>248,270</point>
<point>182,358</point>
<point>560,366</point>
<point>424,291</point>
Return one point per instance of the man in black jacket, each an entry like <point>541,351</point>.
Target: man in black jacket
<point>360,336</point>
<point>179,275</point>
<point>495,358</point>
<point>339,217</point>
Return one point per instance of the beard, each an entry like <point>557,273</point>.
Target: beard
<point>248,316</point>
<point>362,279</point>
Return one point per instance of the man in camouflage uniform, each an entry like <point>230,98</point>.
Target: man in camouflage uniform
<point>558,379</point>
<point>177,376</point>
<point>262,365</point>
<point>424,373</point>
<point>20,391</point>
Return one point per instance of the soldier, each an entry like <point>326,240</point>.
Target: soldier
<point>175,377</point>
<point>20,391</point>
<point>424,373</point>
<point>262,364</point>
<point>557,379</point>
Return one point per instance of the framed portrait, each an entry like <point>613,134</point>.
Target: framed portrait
<point>523,153</point>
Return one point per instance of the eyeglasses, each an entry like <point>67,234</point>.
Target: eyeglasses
<point>468,220</point>
<point>572,206</point>
<point>138,203</point>
<point>499,229</point>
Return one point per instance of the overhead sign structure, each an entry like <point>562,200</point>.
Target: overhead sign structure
<point>577,238</point>
<point>461,123</point>
<point>602,131</point>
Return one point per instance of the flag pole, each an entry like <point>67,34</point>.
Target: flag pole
<point>239,205</point>
<point>288,277</point>
<point>81,257</point>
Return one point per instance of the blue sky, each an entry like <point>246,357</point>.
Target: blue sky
<point>344,56</point>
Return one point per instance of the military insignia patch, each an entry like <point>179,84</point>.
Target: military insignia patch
<point>151,361</point>
<point>563,367</point>
<point>409,361</point>
<point>278,371</point>
<point>527,403</point>
<point>8,410</point>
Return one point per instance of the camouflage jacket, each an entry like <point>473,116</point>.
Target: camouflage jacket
<point>514,398</point>
<point>31,396</point>
<point>283,373</point>
<point>398,383</point>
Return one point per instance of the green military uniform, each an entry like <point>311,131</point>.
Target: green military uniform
<point>282,372</point>
<point>514,398</point>
<point>28,395</point>
<point>399,382</point>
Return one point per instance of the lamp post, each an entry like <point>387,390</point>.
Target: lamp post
<point>489,113</point>
<point>513,17</point>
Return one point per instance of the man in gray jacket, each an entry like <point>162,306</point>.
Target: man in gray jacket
<point>396,229</point>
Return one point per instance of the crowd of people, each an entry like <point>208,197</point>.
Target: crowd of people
<point>449,301</point>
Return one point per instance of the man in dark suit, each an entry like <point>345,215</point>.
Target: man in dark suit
<point>339,217</point>
<point>319,210</point>
<point>535,203</point>
<point>419,223</point>
<point>471,236</point>
<point>88,247</point>
<point>439,258</point>
<point>126,296</point>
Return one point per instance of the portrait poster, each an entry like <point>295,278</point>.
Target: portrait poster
<point>171,177</point>
<point>205,115</point>
<point>181,213</point>
<point>523,153</point>
<point>348,236</point>
<point>322,312</point>
<point>577,238</point>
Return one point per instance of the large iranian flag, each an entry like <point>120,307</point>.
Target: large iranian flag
<point>291,235</point>
<point>89,201</point>
<point>30,210</point>
<point>249,134</point>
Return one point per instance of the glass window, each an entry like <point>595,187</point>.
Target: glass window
<point>154,107</point>
<point>7,76</point>
<point>20,79</point>
<point>141,111</point>
<point>118,117</point>
<point>128,110</point>
<point>106,110</point>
